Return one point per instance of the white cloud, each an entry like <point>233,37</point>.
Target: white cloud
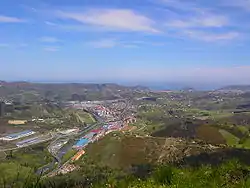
<point>242,4</point>
<point>112,19</point>
<point>211,37</point>
<point>204,21</point>
<point>180,5</point>
<point>111,43</point>
<point>195,20</point>
<point>49,39</point>
<point>51,49</point>
<point>7,19</point>
<point>194,15</point>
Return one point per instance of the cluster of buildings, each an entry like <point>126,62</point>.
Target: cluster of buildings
<point>101,110</point>
<point>78,155</point>
<point>96,134</point>
<point>28,142</point>
<point>67,168</point>
<point>18,135</point>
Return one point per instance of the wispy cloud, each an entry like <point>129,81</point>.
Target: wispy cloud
<point>195,15</point>
<point>242,4</point>
<point>193,20</point>
<point>112,42</point>
<point>186,5</point>
<point>201,21</point>
<point>51,49</point>
<point>112,19</point>
<point>47,39</point>
<point>211,37</point>
<point>7,19</point>
<point>206,20</point>
<point>50,23</point>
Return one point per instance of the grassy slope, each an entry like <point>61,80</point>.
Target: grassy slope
<point>210,134</point>
<point>68,155</point>
<point>121,151</point>
<point>243,129</point>
<point>11,170</point>
<point>24,162</point>
<point>86,117</point>
<point>118,151</point>
<point>246,144</point>
<point>230,175</point>
<point>230,138</point>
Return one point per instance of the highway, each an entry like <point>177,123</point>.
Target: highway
<point>65,149</point>
<point>56,137</point>
<point>59,155</point>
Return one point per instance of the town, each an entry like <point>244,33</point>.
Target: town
<point>117,129</point>
<point>108,116</point>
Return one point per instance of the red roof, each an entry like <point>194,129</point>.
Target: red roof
<point>96,130</point>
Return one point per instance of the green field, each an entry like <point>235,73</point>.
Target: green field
<point>243,129</point>
<point>68,155</point>
<point>230,138</point>
<point>85,117</point>
<point>246,144</point>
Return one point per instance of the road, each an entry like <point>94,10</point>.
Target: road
<point>59,155</point>
<point>65,149</point>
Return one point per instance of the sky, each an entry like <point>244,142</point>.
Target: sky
<point>192,41</point>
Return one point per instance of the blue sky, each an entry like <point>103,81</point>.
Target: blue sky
<point>196,41</point>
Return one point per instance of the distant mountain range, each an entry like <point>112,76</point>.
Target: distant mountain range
<point>236,87</point>
<point>123,86</point>
<point>240,89</point>
<point>64,91</point>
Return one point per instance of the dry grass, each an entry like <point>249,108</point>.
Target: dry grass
<point>120,151</point>
<point>210,134</point>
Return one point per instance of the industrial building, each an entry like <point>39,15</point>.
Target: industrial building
<point>28,142</point>
<point>78,155</point>
<point>81,143</point>
<point>17,122</point>
<point>16,136</point>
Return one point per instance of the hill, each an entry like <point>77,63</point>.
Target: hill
<point>121,151</point>
<point>128,161</point>
<point>235,88</point>
<point>64,91</point>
